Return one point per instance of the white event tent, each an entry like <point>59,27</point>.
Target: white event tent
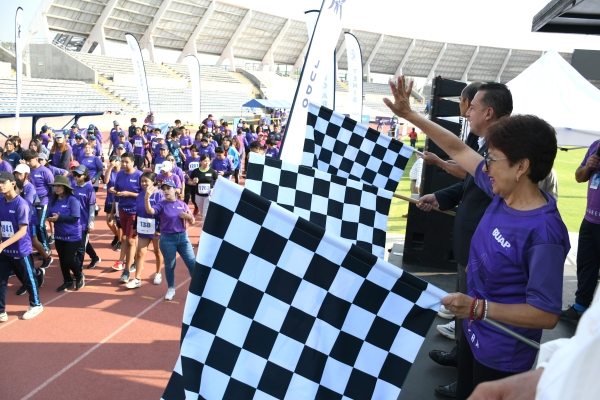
<point>553,90</point>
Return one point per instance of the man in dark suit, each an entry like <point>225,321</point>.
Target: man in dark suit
<point>490,101</point>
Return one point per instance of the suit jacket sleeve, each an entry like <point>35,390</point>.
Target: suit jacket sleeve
<point>450,197</point>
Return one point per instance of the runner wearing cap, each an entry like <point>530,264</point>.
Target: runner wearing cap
<point>159,140</point>
<point>127,188</point>
<point>60,152</point>
<point>167,175</point>
<point>46,135</point>
<point>123,142</point>
<point>191,163</point>
<point>86,195</point>
<point>174,216</point>
<point>139,142</point>
<point>78,150</point>
<point>93,164</point>
<point>43,161</point>
<point>147,227</point>
<point>96,145</point>
<point>159,159</point>
<point>114,167</point>
<point>65,213</point>
<point>42,178</point>
<point>177,171</point>
<point>72,165</point>
<point>114,137</point>
<point>16,248</point>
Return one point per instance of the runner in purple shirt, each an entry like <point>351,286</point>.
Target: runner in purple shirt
<point>191,163</point>
<point>65,212</point>
<point>84,192</point>
<point>42,178</point>
<point>518,251</point>
<point>272,150</point>
<point>114,136</point>
<point>123,142</point>
<point>167,175</point>
<point>16,248</point>
<point>222,164</point>
<point>147,227</point>
<point>93,164</point>
<point>43,160</point>
<point>186,142</point>
<point>78,148</point>
<point>174,217</point>
<point>5,165</point>
<point>139,142</point>
<point>60,153</point>
<point>207,149</point>
<point>114,167</point>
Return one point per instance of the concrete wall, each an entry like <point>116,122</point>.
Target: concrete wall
<point>7,56</point>
<point>49,62</point>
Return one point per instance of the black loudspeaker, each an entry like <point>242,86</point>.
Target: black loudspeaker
<point>434,179</point>
<point>428,240</point>
<point>430,145</point>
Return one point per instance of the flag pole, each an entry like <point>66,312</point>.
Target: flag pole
<point>515,335</point>
<point>415,201</point>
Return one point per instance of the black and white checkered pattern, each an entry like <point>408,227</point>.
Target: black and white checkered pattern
<point>280,309</point>
<point>346,208</point>
<point>340,146</point>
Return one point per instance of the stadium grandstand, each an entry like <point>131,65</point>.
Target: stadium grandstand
<point>258,55</point>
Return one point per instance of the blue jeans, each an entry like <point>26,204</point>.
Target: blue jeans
<point>171,244</point>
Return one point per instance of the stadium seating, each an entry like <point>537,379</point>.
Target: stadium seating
<point>108,66</point>
<point>207,73</point>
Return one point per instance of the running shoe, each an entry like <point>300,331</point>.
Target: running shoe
<point>21,291</point>
<point>196,211</point>
<point>3,317</point>
<point>32,312</point>
<point>448,330</point>
<point>50,240</point>
<point>65,286</point>
<point>170,294</point>
<point>571,314</point>
<point>46,263</point>
<point>132,268</point>
<point>114,242</point>
<point>40,277</point>
<point>445,313</point>
<point>94,263</point>
<point>118,248</point>
<point>157,279</point>
<point>124,277</point>
<point>118,266</point>
<point>134,284</point>
<point>80,284</point>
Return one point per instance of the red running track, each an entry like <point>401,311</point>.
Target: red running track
<point>103,342</point>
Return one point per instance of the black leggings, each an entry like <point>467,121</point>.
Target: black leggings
<point>471,372</point>
<point>85,246</point>
<point>190,193</point>
<point>67,252</point>
<point>139,162</point>
<point>588,262</point>
<point>236,175</point>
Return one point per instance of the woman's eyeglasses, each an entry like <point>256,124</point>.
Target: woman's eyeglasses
<point>488,160</point>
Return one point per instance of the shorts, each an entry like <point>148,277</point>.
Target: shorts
<point>127,223</point>
<point>108,208</point>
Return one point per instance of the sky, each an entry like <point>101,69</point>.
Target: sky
<point>500,23</point>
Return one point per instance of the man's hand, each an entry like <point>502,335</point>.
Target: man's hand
<point>401,104</point>
<point>517,387</point>
<point>427,202</point>
<point>431,158</point>
<point>592,162</point>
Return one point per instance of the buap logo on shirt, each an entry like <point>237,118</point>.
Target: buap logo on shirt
<point>500,239</point>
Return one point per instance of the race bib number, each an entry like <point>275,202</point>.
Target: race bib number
<point>157,168</point>
<point>204,188</point>
<point>193,165</point>
<point>230,158</point>
<point>139,143</point>
<point>7,229</point>
<point>146,226</point>
<point>595,181</point>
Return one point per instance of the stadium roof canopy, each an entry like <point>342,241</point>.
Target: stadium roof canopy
<point>216,28</point>
<point>569,16</point>
<point>264,103</point>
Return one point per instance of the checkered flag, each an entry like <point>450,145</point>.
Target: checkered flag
<point>346,208</point>
<point>278,309</point>
<point>340,146</point>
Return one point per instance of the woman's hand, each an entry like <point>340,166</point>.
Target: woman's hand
<point>149,191</point>
<point>53,218</point>
<point>401,104</point>
<point>459,304</point>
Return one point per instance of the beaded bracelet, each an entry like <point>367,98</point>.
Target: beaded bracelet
<point>473,312</point>
<point>485,310</point>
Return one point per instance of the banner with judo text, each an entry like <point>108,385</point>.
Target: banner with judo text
<point>312,80</point>
<point>18,63</point>
<point>194,65</point>
<point>355,76</point>
<point>140,72</point>
<point>328,96</point>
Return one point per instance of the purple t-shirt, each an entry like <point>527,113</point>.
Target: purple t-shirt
<point>161,178</point>
<point>114,136</point>
<point>66,231</point>
<point>158,160</point>
<point>224,165</point>
<point>145,221</point>
<point>191,163</point>
<point>45,140</point>
<point>168,212</point>
<point>138,145</point>
<point>56,171</point>
<point>127,145</point>
<point>93,164</point>
<point>12,214</point>
<point>29,192</point>
<point>128,183</point>
<point>42,177</point>
<point>179,172</point>
<point>86,196</point>
<point>186,141</point>
<point>5,166</point>
<point>110,198</point>
<point>516,257</point>
<point>274,152</point>
<point>78,151</point>
<point>207,150</point>
<point>592,211</point>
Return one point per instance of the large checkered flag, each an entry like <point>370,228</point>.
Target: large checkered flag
<point>346,208</point>
<point>340,146</point>
<point>280,309</point>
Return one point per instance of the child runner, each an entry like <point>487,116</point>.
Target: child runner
<point>221,164</point>
<point>191,163</point>
<point>174,215</point>
<point>206,148</point>
<point>16,248</point>
<point>42,178</point>
<point>203,179</point>
<point>114,167</point>
<point>272,150</point>
<point>147,227</point>
<point>139,142</point>
<point>86,195</point>
<point>93,165</point>
<point>65,212</point>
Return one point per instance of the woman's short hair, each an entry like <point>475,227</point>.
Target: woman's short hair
<point>204,157</point>
<point>525,137</point>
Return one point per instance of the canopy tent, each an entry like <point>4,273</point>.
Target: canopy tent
<point>553,90</point>
<point>264,103</point>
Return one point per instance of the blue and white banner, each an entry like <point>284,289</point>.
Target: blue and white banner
<point>328,96</point>
<point>317,63</point>
<point>18,63</point>
<point>140,73</point>
<point>194,65</point>
<point>355,76</point>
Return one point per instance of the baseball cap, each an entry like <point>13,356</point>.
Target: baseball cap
<point>92,137</point>
<point>121,133</point>
<point>166,166</point>
<point>78,136</point>
<point>120,146</point>
<point>116,123</point>
<point>204,139</point>
<point>115,157</point>
<point>59,135</point>
<point>164,146</point>
<point>90,131</point>
<point>42,156</point>
<point>6,176</point>
<point>74,126</point>
<point>44,128</point>
<point>92,127</point>
<point>22,169</point>
<point>160,136</point>
<point>73,164</point>
<point>168,183</point>
<point>81,170</point>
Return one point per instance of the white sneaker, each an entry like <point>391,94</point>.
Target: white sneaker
<point>445,313</point>
<point>134,284</point>
<point>157,279</point>
<point>32,312</point>
<point>170,294</point>
<point>448,330</point>
<point>3,317</point>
